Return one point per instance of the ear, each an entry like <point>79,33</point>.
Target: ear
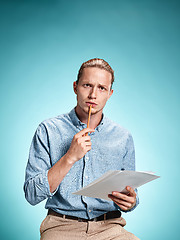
<point>110,94</point>
<point>75,87</point>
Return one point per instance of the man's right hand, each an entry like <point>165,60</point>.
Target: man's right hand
<point>80,145</point>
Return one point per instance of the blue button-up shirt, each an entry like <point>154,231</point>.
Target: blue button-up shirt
<point>112,149</point>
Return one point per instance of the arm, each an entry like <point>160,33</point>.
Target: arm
<point>80,145</point>
<point>42,179</point>
<point>127,202</point>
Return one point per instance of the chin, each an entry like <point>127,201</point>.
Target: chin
<point>85,109</point>
<point>94,111</point>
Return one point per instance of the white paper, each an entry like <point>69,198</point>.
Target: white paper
<point>115,181</point>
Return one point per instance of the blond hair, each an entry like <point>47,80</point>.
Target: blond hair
<point>99,63</point>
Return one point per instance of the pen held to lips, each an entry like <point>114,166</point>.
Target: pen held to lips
<point>89,115</point>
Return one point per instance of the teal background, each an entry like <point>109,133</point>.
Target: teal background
<point>43,43</point>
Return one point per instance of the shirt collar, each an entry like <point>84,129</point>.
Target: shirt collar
<point>75,120</point>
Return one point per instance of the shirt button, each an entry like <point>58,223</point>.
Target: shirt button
<point>86,177</point>
<point>89,210</point>
<point>87,158</point>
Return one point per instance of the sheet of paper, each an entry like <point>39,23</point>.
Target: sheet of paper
<point>115,181</point>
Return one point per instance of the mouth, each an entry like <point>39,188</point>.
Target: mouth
<point>91,103</point>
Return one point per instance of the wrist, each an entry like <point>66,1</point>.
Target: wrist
<point>70,160</point>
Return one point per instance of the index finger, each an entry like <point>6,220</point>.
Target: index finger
<point>85,130</point>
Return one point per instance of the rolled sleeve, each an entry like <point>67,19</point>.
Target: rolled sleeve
<point>36,186</point>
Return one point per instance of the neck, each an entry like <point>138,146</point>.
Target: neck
<point>94,120</point>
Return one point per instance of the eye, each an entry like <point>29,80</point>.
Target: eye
<point>87,85</point>
<point>102,88</point>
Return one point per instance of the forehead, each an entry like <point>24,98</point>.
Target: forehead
<point>96,75</point>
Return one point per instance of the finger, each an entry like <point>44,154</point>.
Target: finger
<point>131,191</point>
<point>123,208</point>
<point>88,148</point>
<point>86,138</point>
<point>85,145</point>
<point>123,197</point>
<point>84,131</point>
<point>88,144</point>
<point>119,195</point>
<point>83,139</point>
<point>129,202</point>
<point>123,205</point>
<point>121,202</point>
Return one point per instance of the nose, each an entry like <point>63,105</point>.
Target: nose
<point>93,93</point>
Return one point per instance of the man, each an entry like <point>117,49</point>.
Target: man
<point>63,159</point>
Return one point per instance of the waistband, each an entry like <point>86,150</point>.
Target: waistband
<point>106,216</point>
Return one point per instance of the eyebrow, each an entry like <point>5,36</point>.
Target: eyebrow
<point>90,83</point>
<point>101,85</point>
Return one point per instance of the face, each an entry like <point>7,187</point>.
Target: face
<point>93,88</point>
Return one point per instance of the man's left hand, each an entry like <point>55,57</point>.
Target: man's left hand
<point>125,201</point>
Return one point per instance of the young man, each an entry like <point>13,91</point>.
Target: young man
<point>63,159</point>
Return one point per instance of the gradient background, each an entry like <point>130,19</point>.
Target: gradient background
<point>43,43</point>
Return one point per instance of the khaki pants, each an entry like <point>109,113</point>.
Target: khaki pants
<point>57,228</point>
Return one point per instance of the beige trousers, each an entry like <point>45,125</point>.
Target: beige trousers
<point>57,228</point>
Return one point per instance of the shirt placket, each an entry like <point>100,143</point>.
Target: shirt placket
<point>86,181</point>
